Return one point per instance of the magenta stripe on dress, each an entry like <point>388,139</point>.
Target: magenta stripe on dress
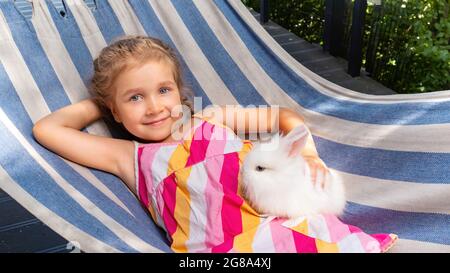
<point>199,143</point>
<point>231,203</point>
<point>303,243</point>
<point>143,192</point>
<point>384,240</point>
<point>169,196</point>
<point>282,237</point>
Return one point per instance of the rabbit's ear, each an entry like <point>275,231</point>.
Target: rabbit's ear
<point>296,139</point>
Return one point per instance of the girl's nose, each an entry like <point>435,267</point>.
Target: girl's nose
<point>153,107</point>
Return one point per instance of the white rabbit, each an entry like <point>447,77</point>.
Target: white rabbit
<point>276,179</point>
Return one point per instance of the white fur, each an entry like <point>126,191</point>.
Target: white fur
<point>284,188</point>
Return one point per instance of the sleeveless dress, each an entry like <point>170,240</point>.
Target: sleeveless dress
<point>191,189</point>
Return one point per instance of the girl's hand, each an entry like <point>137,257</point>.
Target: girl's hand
<point>319,171</point>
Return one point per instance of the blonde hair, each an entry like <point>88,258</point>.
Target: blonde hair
<point>124,53</point>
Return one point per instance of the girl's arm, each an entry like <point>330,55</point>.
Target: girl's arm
<point>60,133</point>
<point>259,120</point>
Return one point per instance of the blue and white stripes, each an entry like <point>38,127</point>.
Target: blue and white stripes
<point>391,151</point>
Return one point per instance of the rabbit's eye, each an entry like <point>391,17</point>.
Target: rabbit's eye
<point>260,169</point>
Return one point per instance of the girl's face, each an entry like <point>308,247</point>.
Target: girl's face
<point>144,98</point>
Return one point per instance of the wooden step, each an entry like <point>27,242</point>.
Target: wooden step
<point>21,232</point>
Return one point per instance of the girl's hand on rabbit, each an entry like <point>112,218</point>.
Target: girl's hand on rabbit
<point>319,171</point>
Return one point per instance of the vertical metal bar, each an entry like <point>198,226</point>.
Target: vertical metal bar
<point>356,39</point>
<point>337,32</point>
<point>347,22</point>
<point>334,26</point>
<point>264,11</point>
<point>328,25</point>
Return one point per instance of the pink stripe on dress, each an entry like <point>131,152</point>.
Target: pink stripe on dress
<point>143,192</point>
<point>214,199</point>
<point>282,237</point>
<point>146,154</point>
<point>338,230</point>
<point>217,142</point>
<point>370,244</point>
<point>214,190</point>
<point>231,203</point>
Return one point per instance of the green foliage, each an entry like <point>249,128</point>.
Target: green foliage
<point>409,38</point>
<point>304,18</point>
<point>413,48</point>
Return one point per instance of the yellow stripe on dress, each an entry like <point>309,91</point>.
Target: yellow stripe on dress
<point>326,247</point>
<point>182,211</point>
<point>179,157</point>
<point>178,161</point>
<point>302,227</point>
<point>152,211</point>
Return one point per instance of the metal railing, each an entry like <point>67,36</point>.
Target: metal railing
<point>335,33</point>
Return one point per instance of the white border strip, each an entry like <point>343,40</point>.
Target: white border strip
<point>408,138</point>
<point>396,195</point>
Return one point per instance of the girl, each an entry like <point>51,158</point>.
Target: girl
<point>138,81</point>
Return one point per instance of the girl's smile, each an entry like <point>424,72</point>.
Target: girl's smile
<point>157,122</point>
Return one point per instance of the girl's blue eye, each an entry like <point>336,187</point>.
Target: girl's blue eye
<point>163,90</point>
<point>135,97</point>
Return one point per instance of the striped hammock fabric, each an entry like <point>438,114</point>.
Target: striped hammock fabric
<point>392,152</point>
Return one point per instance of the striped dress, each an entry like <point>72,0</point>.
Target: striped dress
<point>191,189</point>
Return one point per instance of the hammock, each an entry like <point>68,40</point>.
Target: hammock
<point>392,151</point>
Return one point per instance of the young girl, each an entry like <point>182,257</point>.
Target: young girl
<point>188,184</point>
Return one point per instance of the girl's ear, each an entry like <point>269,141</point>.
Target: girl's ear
<point>112,107</point>
<point>296,139</point>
